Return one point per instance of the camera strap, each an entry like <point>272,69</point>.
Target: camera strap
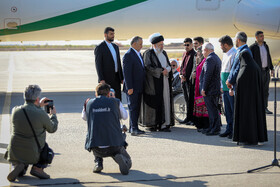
<point>29,122</point>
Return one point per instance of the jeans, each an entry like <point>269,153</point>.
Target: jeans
<point>229,109</point>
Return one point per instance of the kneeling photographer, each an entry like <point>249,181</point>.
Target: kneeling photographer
<point>28,140</point>
<point>104,137</point>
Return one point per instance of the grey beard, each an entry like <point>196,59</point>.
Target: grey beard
<point>159,50</point>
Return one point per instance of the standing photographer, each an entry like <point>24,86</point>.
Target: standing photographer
<point>23,149</point>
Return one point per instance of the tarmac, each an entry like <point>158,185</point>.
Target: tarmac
<point>183,157</point>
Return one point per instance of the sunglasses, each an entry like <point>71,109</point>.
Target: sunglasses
<point>173,65</point>
<point>187,45</point>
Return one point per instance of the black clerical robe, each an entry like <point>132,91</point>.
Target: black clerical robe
<point>249,111</point>
<point>152,111</point>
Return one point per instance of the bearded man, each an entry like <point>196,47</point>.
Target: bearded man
<point>157,110</point>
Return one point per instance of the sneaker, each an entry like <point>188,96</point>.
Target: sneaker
<point>98,167</point>
<point>124,169</point>
<point>15,173</point>
<point>39,172</point>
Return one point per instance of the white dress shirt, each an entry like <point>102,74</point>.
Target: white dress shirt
<point>263,54</point>
<point>114,54</point>
<point>139,55</point>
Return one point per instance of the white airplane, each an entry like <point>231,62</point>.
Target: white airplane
<point>38,20</point>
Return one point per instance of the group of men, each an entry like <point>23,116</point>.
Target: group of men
<point>242,78</point>
<point>148,79</point>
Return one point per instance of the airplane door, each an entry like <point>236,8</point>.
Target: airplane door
<point>10,14</point>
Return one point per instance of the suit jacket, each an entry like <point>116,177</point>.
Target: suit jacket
<point>236,65</point>
<point>210,79</point>
<point>105,65</point>
<point>255,49</point>
<point>133,71</point>
<point>188,71</point>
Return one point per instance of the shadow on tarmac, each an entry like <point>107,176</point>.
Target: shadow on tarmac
<point>28,180</point>
<point>190,135</point>
<point>154,179</point>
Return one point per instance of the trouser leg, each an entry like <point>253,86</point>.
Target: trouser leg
<point>213,111</point>
<point>134,105</point>
<point>228,102</point>
<point>266,80</point>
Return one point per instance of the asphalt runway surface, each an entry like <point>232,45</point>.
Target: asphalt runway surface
<point>182,157</point>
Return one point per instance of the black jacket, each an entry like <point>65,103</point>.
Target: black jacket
<point>255,49</point>
<point>105,65</point>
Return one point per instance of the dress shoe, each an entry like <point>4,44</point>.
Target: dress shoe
<point>39,172</point>
<point>166,129</point>
<point>204,131</point>
<point>230,136</point>
<point>189,123</point>
<point>267,111</point>
<point>184,121</point>
<point>213,133</point>
<point>151,129</point>
<point>15,173</point>
<point>137,132</point>
<point>225,134</point>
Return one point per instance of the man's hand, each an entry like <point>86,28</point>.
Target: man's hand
<point>229,85</point>
<point>165,72</point>
<point>130,91</point>
<point>53,111</point>
<point>203,93</point>
<point>102,81</point>
<point>222,91</point>
<point>42,102</point>
<point>231,92</point>
<point>272,73</point>
<point>183,79</point>
<point>194,75</point>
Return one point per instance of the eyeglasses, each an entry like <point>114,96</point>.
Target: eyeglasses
<point>187,45</point>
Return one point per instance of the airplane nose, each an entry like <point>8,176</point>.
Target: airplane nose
<point>253,15</point>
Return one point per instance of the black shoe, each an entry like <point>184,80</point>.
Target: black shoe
<point>267,111</point>
<point>137,132</point>
<point>230,136</point>
<point>184,121</point>
<point>225,134</point>
<point>151,129</point>
<point>204,131</point>
<point>189,123</point>
<point>166,129</point>
<point>199,130</point>
<point>98,167</point>
<point>213,133</point>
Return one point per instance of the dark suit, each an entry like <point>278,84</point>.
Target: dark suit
<point>134,76</point>
<point>255,49</point>
<point>210,82</point>
<point>105,67</point>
